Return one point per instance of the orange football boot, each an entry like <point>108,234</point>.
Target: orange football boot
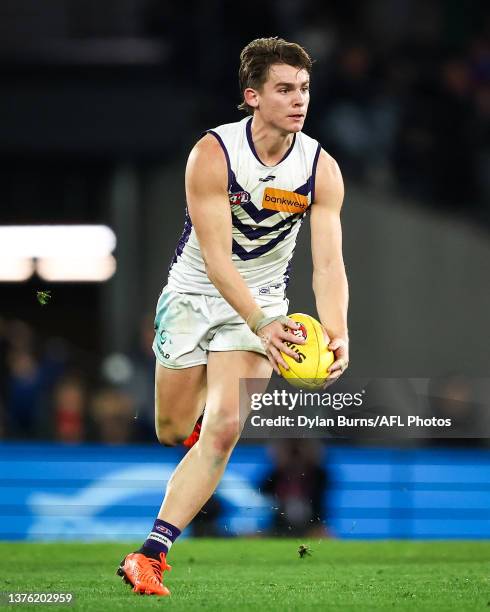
<point>194,437</point>
<point>144,574</point>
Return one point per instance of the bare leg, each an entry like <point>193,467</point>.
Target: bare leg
<point>179,401</point>
<point>198,474</point>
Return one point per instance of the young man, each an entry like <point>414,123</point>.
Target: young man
<point>221,316</point>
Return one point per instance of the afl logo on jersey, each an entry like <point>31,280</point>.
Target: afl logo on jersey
<point>239,197</point>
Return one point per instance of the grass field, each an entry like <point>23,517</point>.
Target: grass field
<point>256,574</point>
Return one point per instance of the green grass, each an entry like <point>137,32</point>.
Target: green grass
<point>259,574</point>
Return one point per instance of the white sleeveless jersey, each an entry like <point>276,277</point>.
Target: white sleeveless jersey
<point>268,204</point>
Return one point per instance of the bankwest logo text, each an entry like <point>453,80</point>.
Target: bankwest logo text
<point>285,201</point>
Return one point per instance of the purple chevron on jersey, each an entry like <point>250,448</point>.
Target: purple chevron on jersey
<point>183,239</point>
<point>257,214</point>
<point>313,172</point>
<point>287,273</point>
<point>306,188</point>
<point>262,249</point>
<point>253,233</point>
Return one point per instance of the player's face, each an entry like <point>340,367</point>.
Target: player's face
<point>283,100</point>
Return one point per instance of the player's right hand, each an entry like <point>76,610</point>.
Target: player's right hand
<point>274,336</point>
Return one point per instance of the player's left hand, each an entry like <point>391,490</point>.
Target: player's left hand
<point>273,337</point>
<point>340,348</point>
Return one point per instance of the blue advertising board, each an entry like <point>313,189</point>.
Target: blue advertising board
<point>95,492</point>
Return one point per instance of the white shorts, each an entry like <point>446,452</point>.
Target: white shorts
<point>188,327</point>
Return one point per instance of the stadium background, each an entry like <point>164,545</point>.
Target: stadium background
<point>100,104</point>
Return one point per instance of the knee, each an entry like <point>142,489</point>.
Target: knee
<point>221,434</point>
<point>170,433</point>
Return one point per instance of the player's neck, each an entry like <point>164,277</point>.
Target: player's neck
<point>271,144</point>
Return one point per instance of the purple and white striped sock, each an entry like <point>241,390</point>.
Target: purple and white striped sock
<point>161,537</point>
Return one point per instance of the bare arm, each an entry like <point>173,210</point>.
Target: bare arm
<point>329,277</point>
<point>207,198</point>
<point>209,208</point>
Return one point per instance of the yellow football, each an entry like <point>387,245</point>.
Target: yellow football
<point>310,372</point>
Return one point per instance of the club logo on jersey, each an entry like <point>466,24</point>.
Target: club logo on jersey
<point>239,197</point>
<point>267,178</point>
<point>284,201</point>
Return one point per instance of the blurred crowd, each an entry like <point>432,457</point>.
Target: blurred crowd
<point>296,485</point>
<point>50,390</point>
<point>400,88</point>
<point>53,391</point>
<point>422,126</point>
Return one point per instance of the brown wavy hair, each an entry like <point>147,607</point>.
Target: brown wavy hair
<point>260,54</point>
